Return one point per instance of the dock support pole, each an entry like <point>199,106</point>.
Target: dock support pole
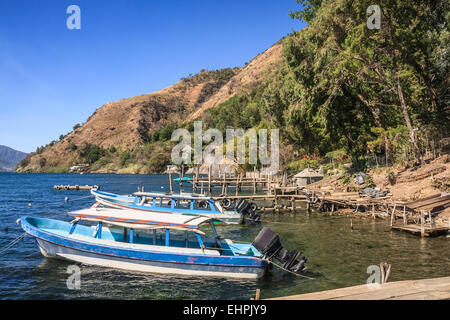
<point>405,222</point>
<point>432,224</point>
<point>393,214</point>
<point>422,223</point>
<point>223,183</point>
<point>170,182</point>
<point>209,179</point>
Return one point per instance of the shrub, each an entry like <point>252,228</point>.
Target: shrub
<point>93,155</point>
<point>124,157</point>
<point>42,162</point>
<point>166,133</point>
<point>90,153</point>
<point>24,163</point>
<point>368,181</point>
<point>390,176</point>
<point>346,178</point>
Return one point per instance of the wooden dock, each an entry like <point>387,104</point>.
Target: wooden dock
<point>276,194</point>
<point>426,231</point>
<point>426,289</point>
<point>422,213</point>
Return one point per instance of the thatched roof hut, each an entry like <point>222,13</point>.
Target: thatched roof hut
<point>307,176</point>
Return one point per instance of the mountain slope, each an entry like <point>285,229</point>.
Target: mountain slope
<point>125,125</point>
<point>9,158</point>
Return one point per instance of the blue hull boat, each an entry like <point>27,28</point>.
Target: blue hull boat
<point>188,204</point>
<point>175,248</point>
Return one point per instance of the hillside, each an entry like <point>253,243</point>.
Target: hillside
<point>336,90</point>
<point>9,158</point>
<point>107,140</point>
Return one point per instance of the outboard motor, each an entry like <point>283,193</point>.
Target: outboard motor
<point>268,243</point>
<point>245,208</point>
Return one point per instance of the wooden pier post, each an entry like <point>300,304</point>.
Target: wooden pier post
<point>277,208</point>
<point>422,223</point>
<point>405,221</point>
<point>385,271</point>
<point>226,184</point>
<point>194,186</point>
<point>209,179</point>
<point>432,223</point>
<point>223,183</point>
<point>393,214</point>
<point>170,181</point>
<point>181,175</point>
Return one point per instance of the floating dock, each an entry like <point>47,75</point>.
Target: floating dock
<point>75,187</point>
<point>426,289</point>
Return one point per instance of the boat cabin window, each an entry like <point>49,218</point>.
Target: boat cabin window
<point>182,203</point>
<point>145,201</point>
<point>201,205</point>
<point>164,237</point>
<point>163,202</point>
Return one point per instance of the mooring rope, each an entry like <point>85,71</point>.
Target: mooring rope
<point>65,200</point>
<point>296,274</point>
<point>268,221</point>
<point>12,243</point>
<point>268,260</point>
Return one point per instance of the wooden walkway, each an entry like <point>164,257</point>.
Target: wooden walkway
<point>426,231</point>
<point>426,289</point>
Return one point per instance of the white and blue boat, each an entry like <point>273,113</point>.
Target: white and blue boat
<point>160,243</point>
<point>182,203</point>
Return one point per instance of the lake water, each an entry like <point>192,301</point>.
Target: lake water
<point>337,255</point>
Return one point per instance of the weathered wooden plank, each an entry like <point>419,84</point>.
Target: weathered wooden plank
<point>437,288</point>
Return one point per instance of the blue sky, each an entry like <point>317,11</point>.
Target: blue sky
<point>52,78</point>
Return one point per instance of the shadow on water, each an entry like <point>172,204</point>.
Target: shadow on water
<point>338,256</point>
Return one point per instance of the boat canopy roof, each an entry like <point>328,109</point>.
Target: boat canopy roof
<point>137,219</point>
<point>185,196</point>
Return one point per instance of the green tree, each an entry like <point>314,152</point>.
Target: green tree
<point>338,61</point>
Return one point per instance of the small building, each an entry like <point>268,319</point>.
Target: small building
<point>172,169</point>
<point>307,176</point>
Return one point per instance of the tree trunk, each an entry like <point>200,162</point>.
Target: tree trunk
<point>405,113</point>
<point>376,117</point>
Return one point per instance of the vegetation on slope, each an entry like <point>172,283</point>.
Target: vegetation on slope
<point>345,87</point>
<point>342,90</point>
